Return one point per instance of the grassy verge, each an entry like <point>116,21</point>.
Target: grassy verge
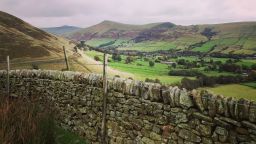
<point>31,121</point>
<point>67,137</point>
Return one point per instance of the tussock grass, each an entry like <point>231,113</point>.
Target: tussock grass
<point>25,121</point>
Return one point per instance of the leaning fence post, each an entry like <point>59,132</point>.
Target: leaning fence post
<point>104,110</point>
<point>66,58</point>
<point>8,77</point>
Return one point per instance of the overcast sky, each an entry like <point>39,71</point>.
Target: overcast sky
<point>83,13</point>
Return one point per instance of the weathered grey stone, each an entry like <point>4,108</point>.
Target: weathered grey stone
<point>252,112</point>
<point>155,136</point>
<point>242,109</point>
<point>166,96</point>
<point>146,140</point>
<point>220,105</point>
<point>189,136</point>
<point>212,107</point>
<point>197,99</point>
<point>204,130</point>
<point>206,140</point>
<point>221,123</point>
<point>249,125</point>
<point>177,97</point>
<point>202,117</point>
<point>221,131</point>
<point>185,99</point>
<point>172,95</point>
<point>231,106</point>
<point>231,121</point>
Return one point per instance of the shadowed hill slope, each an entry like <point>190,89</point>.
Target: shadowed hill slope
<point>21,40</point>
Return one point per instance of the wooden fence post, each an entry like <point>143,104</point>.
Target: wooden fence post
<point>66,58</point>
<point>8,77</point>
<point>104,110</point>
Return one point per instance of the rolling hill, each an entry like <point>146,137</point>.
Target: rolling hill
<point>61,30</point>
<point>19,39</point>
<point>228,38</point>
<point>30,47</point>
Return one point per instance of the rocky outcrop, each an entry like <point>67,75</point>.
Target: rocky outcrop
<point>138,112</point>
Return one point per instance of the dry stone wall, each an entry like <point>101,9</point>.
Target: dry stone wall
<point>138,112</point>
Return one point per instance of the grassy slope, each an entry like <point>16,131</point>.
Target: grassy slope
<point>27,45</point>
<point>231,37</point>
<point>235,90</point>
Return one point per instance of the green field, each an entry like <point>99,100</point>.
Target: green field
<point>141,69</point>
<point>235,90</point>
<point>250,84</point>
<point>97,42</point>
<point>149,46</point>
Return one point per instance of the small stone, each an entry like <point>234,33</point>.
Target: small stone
<point>146,140</point>
<point>205,130</point>
<point>202,117</point>
<point>155,136</point>
<point>206,141</point>
<point>252,112</point>
<point>231,121</point>
<point>221,131</point>
<point>249,125</point>
<point>188,135</point>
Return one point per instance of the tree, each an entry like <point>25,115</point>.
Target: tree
<point>96,58</point>
<point>128,60</point>
<point>151,63</point>
<point>174,65</point>
<point>253,66</point>
<point>116,57</point>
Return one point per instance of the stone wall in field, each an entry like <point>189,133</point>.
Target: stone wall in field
<point>138,112</point>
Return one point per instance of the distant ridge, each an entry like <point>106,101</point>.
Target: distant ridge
<point>61,30</point>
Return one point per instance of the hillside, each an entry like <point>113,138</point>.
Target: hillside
<point>21,40</point>
<point>109,29</point>
<point>61,30</point>
<point>228,38</point>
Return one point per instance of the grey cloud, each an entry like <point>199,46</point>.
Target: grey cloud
<point>88,12</point>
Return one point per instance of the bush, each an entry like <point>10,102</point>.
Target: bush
<point>152,80</point>
<point>184,73</point>
<point>190,84</point>
<point>116,57</point>
<point>151,63</point>
<point>25,121</point>
<point>35,66</point>
<point>96,58</point>
<point>128,60</point>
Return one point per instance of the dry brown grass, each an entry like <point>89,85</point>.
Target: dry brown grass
<point>25,121</point>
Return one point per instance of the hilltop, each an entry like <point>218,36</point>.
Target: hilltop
<point>228,38</point>
<point>110,29</point>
